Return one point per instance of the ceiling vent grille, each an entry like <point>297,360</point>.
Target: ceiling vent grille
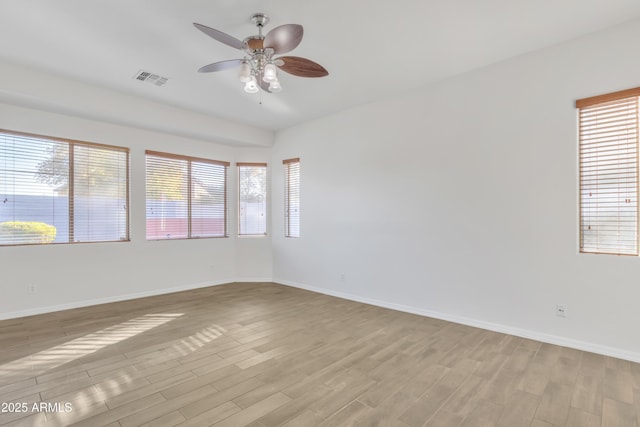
<point>145,76</point>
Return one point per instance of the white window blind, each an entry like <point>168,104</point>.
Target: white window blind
<point>186,197</point>
<point>60,191</point>
<point>608,138</point>
<point>252,199</point>
<point>291,197</point>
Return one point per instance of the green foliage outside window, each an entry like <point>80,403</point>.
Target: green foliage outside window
<point>20,232</point>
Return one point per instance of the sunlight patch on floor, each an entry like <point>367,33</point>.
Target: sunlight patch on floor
<point>90,399</point>
<point>199,339</point>
<point>45,360</point>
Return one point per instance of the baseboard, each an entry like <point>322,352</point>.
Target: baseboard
<point>496,327</point>
<point>254,279</point>
<point>97,301</point>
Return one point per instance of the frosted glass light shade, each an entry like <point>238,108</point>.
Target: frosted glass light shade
<point>245,72</point>
<point>251,86</point>
<point>270,73</point>
<point>275,87</point>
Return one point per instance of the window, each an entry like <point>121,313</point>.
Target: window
<point>291,197</point>
<point>252,199</point>
<point>608,138</point>
<point>54,190</point>
<point>186,197</point>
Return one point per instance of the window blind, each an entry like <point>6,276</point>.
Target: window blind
<point>608,139</point>
<point>291,197</point>
<point>252,199</point>
<point>186,197</point>
<point>61,191</point>
<point>100,188</point>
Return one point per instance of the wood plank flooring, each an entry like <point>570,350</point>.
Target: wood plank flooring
<point>261,354</point>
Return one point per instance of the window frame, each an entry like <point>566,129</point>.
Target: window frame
<point>71,143</point>
<point>190,160</point>
<point>240,165</point>
<point>584,140</point>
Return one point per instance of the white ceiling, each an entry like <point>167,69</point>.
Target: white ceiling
<point>372,49</point>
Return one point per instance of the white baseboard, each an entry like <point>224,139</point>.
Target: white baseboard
<point>254,279</point>
<point>496,327</point>
<point>96,301</point>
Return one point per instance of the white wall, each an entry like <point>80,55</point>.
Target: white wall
<point>460,201</point>
<point>81,274</point>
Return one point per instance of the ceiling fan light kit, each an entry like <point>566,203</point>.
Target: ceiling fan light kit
<point>259,68</point>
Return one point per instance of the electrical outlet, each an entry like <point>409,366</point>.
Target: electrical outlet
<point>32,289</point>
<point>561,310</point>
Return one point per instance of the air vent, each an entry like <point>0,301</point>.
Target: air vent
<point>145,76</point>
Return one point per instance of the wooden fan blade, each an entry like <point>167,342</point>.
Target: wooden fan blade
<point>284,38</point>
<point>221,37</point>
<point>219,66</point>
<point>302,67</point>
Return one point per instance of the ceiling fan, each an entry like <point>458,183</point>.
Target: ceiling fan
<point>259,67</point>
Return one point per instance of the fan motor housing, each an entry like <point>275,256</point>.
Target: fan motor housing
<point>255,42</point>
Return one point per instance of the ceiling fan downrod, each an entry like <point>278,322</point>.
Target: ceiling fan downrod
<point>259,20</point>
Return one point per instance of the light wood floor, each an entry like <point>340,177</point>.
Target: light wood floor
<point>269,355</point>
